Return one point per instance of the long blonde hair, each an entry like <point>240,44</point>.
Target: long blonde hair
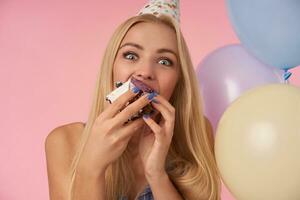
<point>190,163</point>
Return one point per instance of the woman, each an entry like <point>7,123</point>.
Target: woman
<point>168,155</point>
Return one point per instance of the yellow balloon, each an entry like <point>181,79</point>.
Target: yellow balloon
<point>257,144</point>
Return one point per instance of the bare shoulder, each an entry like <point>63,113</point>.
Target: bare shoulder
<point>60,147</point>
<point>65,136</point>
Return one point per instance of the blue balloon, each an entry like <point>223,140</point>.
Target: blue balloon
<point>269,29</point>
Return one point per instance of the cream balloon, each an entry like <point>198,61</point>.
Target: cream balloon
<point>257,144</point>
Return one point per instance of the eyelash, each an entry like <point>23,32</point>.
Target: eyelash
<point>128,53</point>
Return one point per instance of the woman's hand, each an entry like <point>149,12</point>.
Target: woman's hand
<point>154,146</point>
<point>109,136</point>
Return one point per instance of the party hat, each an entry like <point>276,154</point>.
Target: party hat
<point>158,7</point>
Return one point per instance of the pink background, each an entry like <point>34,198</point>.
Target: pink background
<point>50,53</point>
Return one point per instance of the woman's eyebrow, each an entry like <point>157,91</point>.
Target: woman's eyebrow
<point>163,50</point>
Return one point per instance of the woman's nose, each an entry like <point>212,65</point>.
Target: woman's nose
<point>146,71</point>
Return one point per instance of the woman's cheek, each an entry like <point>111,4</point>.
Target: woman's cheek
<point>168,86</point>
<point>126,69</point>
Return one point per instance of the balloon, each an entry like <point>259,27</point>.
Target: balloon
<point>228,72</point>
<point>269,29</point>
<point>257,144</point>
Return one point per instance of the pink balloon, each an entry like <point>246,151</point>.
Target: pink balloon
<point>226,73</point>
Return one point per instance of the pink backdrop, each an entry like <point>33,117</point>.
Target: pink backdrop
<point>50,53</point>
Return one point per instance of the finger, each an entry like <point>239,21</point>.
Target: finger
<point>133,108</point>
<point>120,103</point>
<point>153,125</point>
<point>168,115</point>
<point>131,128</point>
<point>165,102</point>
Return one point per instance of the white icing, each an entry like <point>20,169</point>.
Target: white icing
<point>119,91</point>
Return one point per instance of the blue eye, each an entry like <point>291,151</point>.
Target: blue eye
<point>168,61</point>
<point>126,55</point>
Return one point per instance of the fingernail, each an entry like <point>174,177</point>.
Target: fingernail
<point>135,89</point>
<point>146,116</point>
<point>152,95</point>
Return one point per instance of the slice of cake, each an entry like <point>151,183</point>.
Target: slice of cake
<point>124,87</point>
